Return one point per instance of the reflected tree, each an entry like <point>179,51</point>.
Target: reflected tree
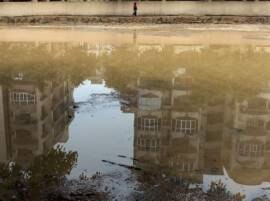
<point>45,173</point>
<point>216,70</point>
<point>219,192</point>
<point>39,64</point>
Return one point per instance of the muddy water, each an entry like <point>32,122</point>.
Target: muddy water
<point>189,103</point>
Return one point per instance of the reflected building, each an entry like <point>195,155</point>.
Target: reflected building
<point>34,117</point>
<point>218,120</point>
<point>249,161</point>
<point>176,133</point>
<point>169,124</point>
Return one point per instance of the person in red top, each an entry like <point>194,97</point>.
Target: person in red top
<point>135,8</point>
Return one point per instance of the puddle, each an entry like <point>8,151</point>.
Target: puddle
<point>143,113</point>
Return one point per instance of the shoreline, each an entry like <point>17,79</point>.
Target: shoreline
<point>140,34</point>
<point>117,20</point>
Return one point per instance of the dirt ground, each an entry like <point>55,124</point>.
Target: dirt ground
<point>122,186</point>
<point>84,20</point>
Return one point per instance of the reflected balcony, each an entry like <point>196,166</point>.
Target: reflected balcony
<point>24,121</point>
<point>248,162</point>
<point>26,142</point>
<point>149,101</point>
<point>253,132</point>
<point>155,84</point>
<point>185,104</point>
<point>256,106</point>
<point>24,156</point>
<point>183,146</point>
<point>24,108</point>
<point>254,111</point>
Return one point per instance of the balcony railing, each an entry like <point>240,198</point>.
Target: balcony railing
<point>26,142</point>
<point>258,110</point>
<point>20,121</point>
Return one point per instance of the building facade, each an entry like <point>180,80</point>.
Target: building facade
<point>34,117</point>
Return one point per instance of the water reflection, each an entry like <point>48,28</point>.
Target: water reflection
<point>174,132</point>
<point>200,111</point>
<point>168,125</point>
<point>35,115</point>
<point>204,129</point>
<point>35,112</point>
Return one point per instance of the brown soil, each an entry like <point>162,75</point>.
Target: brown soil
<point>84,20</point>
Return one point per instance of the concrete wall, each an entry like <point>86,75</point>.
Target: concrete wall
<point>255,8</point>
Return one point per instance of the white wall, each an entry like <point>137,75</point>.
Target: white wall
<point>261,8</point>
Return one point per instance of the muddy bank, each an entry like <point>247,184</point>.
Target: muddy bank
<point>84,20</point>
<point>145,186</point>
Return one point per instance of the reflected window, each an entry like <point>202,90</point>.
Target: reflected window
<point>251,150</point>
<point>255,123</point>
<point>22,98</point>
<point>188,166</point>
<point>19,76</point>
<point>185,125</point>
<point>184,166</point>
<point>150,145</point>
<point>149,124</point>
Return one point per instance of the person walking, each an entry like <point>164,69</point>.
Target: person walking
<point>135,8</point>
